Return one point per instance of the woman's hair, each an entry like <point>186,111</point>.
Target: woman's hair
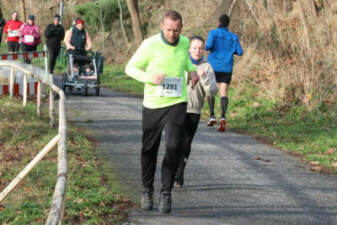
<point>224,21</point>
<point>196,37</point>
<point>15,12</point>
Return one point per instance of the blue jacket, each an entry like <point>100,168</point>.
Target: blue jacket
<point>223,45</point>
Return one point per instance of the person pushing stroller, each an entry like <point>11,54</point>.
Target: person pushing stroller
<point>77,39</point>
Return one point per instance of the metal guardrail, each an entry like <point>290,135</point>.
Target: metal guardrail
<point>58,203</point>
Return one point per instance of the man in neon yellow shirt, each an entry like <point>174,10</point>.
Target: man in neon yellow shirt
<point>160,63</point>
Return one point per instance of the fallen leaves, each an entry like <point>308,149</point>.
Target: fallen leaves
<point>330,151</point>
<point>263,160</point>
<point>315,163</point>
<point>316,168</point>
<point>256,104</point>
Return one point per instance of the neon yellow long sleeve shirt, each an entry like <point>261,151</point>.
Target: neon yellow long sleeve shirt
<point>154,57</point>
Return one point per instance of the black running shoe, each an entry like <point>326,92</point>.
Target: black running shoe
<point>146,200</point>
<point>165,202</point>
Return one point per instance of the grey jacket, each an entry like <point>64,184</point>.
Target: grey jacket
<point>205,87</point>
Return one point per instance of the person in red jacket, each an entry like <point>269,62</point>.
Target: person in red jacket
<point>12,31</point>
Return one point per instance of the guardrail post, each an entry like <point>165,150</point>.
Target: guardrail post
<point>11,82</point>
<point>51,107</point>
<point>24,89</point>
<point>38,99</point>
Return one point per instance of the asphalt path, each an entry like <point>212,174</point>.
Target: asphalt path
<point>230,178</point>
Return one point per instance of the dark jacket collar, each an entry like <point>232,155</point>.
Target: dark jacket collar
<point>167,42</point>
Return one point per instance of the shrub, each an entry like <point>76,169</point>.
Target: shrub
<point>294,59</point>
<point>100,12</point>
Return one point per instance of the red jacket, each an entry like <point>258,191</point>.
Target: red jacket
<point>14,26</point>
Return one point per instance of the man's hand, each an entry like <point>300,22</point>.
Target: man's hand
<point>71,48</point>
<point>194,78</point>
<point>158,79</point>
<point>87,48</point>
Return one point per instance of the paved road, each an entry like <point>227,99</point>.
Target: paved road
<point>230,178</point>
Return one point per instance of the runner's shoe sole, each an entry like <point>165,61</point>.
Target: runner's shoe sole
<point>211,123</point>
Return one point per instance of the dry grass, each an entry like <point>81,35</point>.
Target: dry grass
<point>293,57</point>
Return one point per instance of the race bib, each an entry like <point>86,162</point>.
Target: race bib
<point>171,87</point>
<point>13,33</point>
<point>29,38</point>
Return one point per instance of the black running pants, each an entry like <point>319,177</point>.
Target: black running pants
<point>53,53</point>
<point>28,48</point>
<point>171,120</point>
<point>191,126</point>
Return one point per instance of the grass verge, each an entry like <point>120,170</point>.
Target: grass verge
<point>309,135</point>
<point>89,200</point>
<point>115,78</point>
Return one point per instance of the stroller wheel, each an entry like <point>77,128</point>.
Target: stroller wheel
<point>65,87</point>
<point>97,90</point>
<point>65,90</point>
<point>63,82</point>
<point>86,91</point>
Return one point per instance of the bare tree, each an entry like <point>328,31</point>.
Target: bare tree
<point>231,7</point>
<point>101,20</point>
<point>121,21</point>
<point>136,26</point>
<point>23,10</point>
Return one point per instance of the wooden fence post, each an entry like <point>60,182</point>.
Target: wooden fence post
<point>51,107</point>
<point>24,94</point>
<point>11,82</point>
<point>38,99</point>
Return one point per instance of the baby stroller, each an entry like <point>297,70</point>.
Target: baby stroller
<point>83,72</point>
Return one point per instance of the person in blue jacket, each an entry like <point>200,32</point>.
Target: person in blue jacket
<point>223,45</point>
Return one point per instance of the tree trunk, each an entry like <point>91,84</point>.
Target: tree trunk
<point>133,9</point>
<point>23,11</point>
<point>121,22</point>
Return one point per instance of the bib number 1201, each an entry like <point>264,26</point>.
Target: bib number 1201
<point>171,87</point>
